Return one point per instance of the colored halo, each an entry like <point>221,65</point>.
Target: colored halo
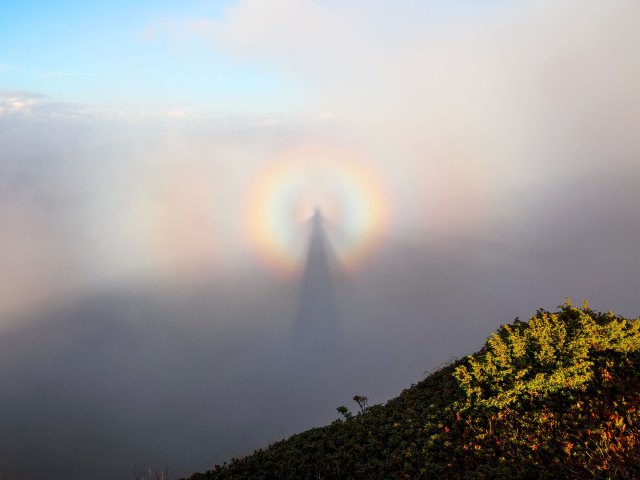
<point>296,183</point>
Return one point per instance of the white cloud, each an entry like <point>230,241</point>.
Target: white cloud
<point>30,104</point>
<point>494,99</point>
<point>20,102</point>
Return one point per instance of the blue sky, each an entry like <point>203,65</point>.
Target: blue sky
<point>96,52</point>
<point>102,53</point>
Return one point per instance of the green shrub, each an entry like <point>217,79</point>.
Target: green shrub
<point>555,397</point>
<point>551,353</point>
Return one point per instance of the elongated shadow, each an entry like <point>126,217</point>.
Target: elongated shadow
<point>311,370</point>
<point>316,334</point>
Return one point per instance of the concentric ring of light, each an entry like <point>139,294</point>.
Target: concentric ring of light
<point>297,182</point>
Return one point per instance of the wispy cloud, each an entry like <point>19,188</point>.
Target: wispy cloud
<point>36,105</point>
<point>21,102</point>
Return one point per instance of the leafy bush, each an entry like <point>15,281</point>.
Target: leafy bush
<point>554,397</point>
<point>553,352</point>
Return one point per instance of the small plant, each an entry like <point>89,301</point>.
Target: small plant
<point>363,403</point>
<point>345,412</point>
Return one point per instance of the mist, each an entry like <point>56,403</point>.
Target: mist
<point>181,286</point>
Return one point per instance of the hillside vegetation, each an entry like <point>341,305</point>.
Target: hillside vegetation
<point>554,397</point>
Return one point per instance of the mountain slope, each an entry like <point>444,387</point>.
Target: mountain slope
<point>557,396</point>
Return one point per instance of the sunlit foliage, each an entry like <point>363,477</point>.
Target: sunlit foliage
<point>554,397</point>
